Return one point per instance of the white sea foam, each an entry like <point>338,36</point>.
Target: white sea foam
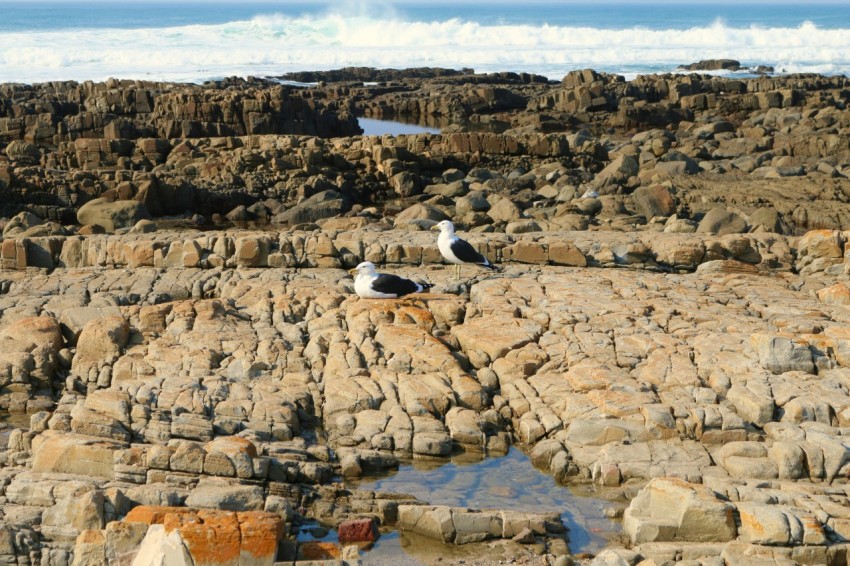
<point>275,44</point>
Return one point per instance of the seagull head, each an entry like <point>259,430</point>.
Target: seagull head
<point>444,226</point>
<point>367,267</point>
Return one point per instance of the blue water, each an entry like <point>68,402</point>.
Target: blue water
<point>510,483</point>
<point>42,41</point>
<point>42,16</point>
<point>373,127</point>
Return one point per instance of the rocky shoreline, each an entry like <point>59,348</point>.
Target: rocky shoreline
<point>189,378</point>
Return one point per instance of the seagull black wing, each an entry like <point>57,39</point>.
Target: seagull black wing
<point>395,285</point>
<point>464,251</point>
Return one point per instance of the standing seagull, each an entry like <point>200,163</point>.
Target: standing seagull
<point>458,251</point>
<point>369,284</point>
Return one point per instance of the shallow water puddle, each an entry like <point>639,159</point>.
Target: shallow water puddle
<point>509,482</point>
<point>391,549</point>
<point>372,127</point>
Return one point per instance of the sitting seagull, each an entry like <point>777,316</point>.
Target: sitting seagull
<point>369,284</point>
<point>458,251</point>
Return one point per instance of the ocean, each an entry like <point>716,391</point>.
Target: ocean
<point>195,41</point>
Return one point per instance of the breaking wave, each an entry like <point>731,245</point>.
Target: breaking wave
<point>275,44</point>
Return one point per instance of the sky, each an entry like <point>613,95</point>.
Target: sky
<point>636,2</point>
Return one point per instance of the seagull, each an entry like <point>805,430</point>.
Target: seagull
<point>458,251</point>
<point>369,284</point>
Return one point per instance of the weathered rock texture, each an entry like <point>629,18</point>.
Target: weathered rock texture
<point>180,149</point>
<point>670,323</point>
<point>183,385</point>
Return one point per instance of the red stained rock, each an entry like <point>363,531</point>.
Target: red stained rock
<point>358,530</point>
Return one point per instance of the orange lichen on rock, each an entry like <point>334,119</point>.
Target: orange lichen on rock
<point>176,521</point>
<point>154,514</point>
<point>260,533</point>
<point>218,538</point>
<point>215,539</point>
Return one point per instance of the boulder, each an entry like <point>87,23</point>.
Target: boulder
<point>20,223</point>
<point>406,184</point>
<point>358,530</point>
<point>453,175</point>
<point>654,201</point>
<point>73,514</point>
<point>746,459</point>
<point>122,541</point>
<point>112,216</point>
<point>769,525</point>
<point>19,150</point>
<point>504,211</point>
<point>838,294</point>
<point>676,163</point>
<point>669,509</point>
<point>590,206</point>
<point>90,548</point>
<point>325,204</point>
<point>676,225</point>
<point>753,406</point>
<point>522,227</point>
<point>31,333</point>
<point>239,214</point>
<point>213,494</point>
<point>617,172</point>
<point>721,221</point>
<point>770,219</point>
<point>144,227</point>
<point>100,342</point>
<point>779,354</point>
<point>67,453</point>
<point>821,244</point>
<point>474,201</point>
<point>230,456</point>
<point>419,212</point>
<point>73,320</point>
<point>580,77</point>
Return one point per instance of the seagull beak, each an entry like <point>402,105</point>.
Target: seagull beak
<point>353,271</point>
<point>435,227</point>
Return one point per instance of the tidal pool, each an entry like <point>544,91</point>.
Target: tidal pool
<point>509,482</point>
<point>372,127</point>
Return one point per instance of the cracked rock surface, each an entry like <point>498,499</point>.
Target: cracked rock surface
<point>717,402</point>
<point>186,376</point>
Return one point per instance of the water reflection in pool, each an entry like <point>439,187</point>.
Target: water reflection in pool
<point>372,127</point>
<point>509,482</point>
